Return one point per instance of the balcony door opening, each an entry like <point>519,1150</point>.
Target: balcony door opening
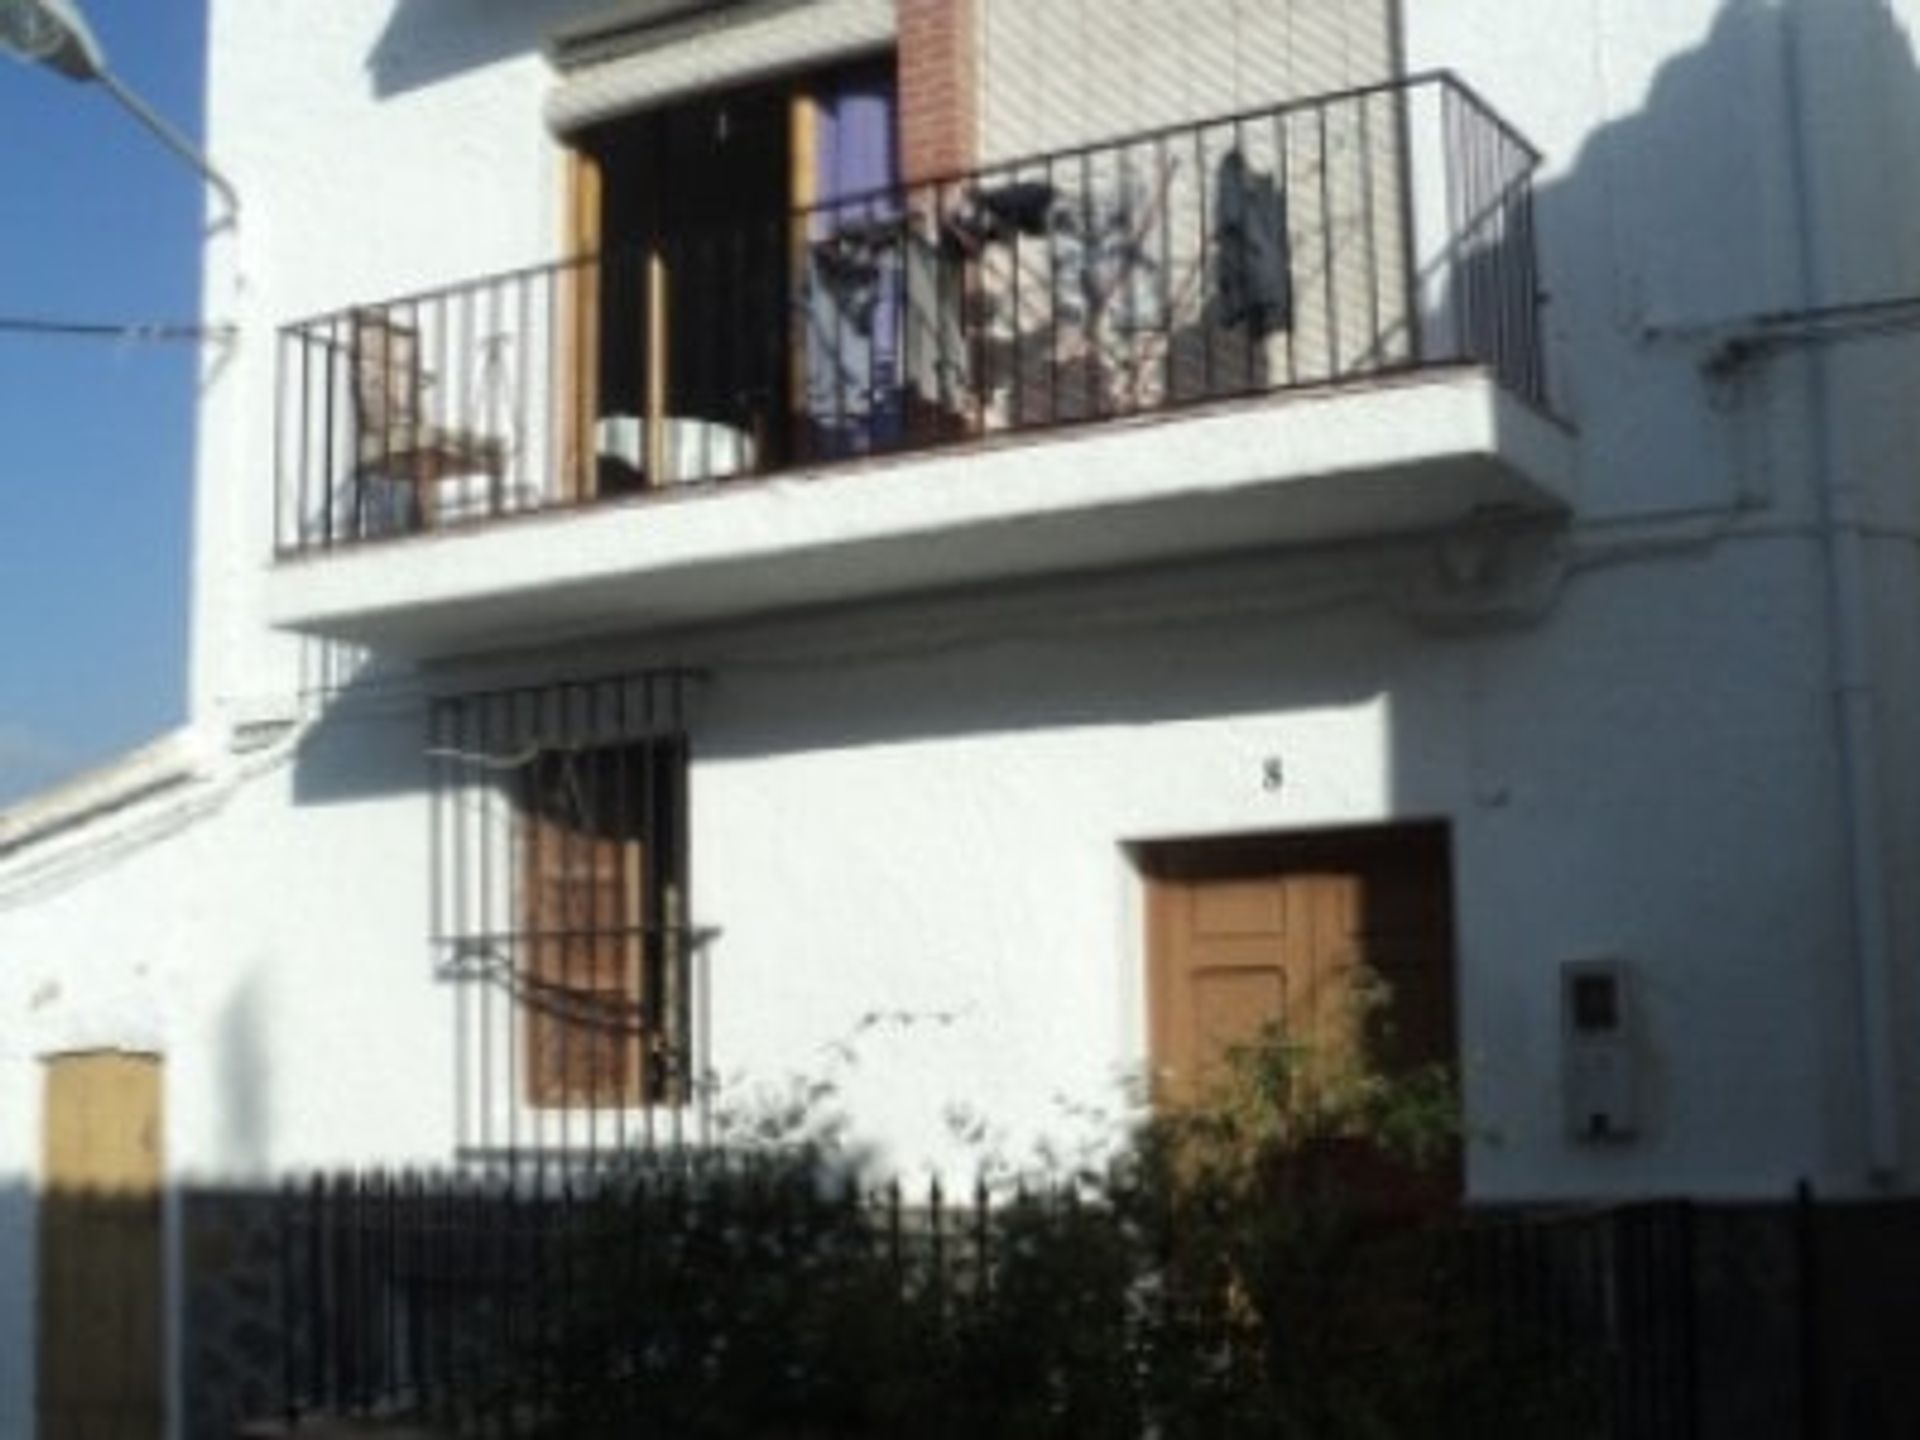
<point>725,328</point>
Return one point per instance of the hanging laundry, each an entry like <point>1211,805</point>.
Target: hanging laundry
<point>994,215</point>
<point>850,265</point>
<point>1252,266</point>
<point>852,299</point>
<point>1105,265</point>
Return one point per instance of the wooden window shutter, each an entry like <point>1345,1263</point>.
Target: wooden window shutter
<point>587,913</point>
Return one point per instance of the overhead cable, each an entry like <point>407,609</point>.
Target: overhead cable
<point>126,332</point>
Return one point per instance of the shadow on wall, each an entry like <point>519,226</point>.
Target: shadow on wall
<point>246,1076</point>
<point>1098,651</point>
<point>348,755</point>
<point>1672,225</point>
<point>1781,1320</point>
<point>16,1309</point>
<point>1020,659</point>
<point>83,1274</point>
<point>84,1322</point>
<point>1669,215</point>
<point>425,41</point>
<point>1676,217</point>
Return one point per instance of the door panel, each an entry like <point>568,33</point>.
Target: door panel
<point>1239,907</point>
<point>1230,1004</point>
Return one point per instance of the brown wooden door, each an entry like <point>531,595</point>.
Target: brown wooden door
<point>1345,939</point>
<point>100,1267</point>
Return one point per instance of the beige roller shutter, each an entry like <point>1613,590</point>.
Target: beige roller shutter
<point>1057,73</point>
<point>662,63</point>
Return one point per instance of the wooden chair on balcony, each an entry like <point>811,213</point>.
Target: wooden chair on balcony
<point>395,438</point>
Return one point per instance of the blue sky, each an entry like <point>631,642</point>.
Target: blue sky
<point>98,221</point>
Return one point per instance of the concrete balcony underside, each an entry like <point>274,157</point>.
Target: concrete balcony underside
<point>1355,462</point>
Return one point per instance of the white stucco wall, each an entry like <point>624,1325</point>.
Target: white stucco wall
<point>1598,809</point>
<point>382,149</point>
<point>943,837</point>
<point>921,813</point>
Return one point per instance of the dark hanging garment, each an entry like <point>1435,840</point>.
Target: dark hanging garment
<point>1251,265</point>
<point>997,216</point>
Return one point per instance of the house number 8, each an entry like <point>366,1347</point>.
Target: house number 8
<point>1273,774</point>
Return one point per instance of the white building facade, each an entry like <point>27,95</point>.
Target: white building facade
<point>968,552</point>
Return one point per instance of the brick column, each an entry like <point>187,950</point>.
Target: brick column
<point>939,87</point>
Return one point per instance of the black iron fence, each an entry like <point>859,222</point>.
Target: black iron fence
<point>512,1305</point>
<point>1604,1297</point>
<point>1350,236</point>
<point>476,1300</point>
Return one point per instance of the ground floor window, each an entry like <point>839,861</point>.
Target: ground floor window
<point>560,865</point>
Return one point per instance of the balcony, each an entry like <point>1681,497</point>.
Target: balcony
<point>1313,322</point>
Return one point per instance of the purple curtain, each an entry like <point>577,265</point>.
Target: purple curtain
<point>856,138</point>
<point>854,304</point>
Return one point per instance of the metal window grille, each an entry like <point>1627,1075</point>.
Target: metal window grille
<point>560,868</point>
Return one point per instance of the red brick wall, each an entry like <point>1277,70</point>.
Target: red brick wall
<point>939,87</point>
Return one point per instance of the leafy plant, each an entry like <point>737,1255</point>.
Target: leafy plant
<point>1265,1261</point>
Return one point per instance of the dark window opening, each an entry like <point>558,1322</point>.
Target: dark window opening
<point>714,222</point>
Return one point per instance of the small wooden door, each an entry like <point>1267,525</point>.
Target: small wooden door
<point>1300,930</point>
<point>100,1280</point>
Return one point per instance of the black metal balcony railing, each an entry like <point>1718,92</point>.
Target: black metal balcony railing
<point>1346,237</point>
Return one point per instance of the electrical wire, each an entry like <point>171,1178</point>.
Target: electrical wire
<point>126,332</point>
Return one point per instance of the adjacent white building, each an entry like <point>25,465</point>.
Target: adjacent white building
<point>969,550</point>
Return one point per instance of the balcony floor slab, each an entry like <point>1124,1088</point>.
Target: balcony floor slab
<point>1358,461</point>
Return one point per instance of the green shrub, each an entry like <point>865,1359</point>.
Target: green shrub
<point>1268,1261</point>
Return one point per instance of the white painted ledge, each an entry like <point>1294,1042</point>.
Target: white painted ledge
<point>1303,468</point>
<point>163,765</point>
